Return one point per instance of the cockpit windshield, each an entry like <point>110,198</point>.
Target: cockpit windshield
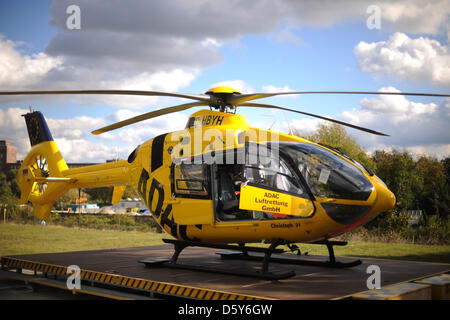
<point>327,174</point>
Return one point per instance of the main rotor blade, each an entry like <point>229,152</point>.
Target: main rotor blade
<point>238,99</point>
<point>260,105</point>
<point>200,97</point>
<point>148,115</point>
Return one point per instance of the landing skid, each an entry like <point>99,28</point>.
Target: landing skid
<point>242,252</point>
<point>331,263</point>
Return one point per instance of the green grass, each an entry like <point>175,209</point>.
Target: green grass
<point>28,239</point>
<point>384,250</point>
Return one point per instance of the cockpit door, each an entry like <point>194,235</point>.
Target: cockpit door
<point>191,188</point>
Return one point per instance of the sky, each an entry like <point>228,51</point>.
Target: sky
<point>253,46</point>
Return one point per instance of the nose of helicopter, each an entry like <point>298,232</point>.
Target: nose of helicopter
<point>385,198</point>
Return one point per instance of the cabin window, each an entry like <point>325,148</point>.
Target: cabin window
<point>190,180</point>
<point>265,168</point>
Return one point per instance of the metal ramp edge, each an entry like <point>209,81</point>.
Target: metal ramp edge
<point>430,287</point>
<point>110,285</point>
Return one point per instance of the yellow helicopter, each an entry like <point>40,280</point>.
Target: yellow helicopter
<point>220,181</point>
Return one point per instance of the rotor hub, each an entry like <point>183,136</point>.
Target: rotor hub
<point>220,97</point>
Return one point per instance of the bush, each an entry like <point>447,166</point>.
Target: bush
<point>392,227</point>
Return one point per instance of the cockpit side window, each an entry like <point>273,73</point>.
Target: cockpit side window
<point>266,168</point>
<point>191,180</point>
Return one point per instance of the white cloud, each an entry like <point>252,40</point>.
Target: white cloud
<point>85,151</point>
<point>19,71</point>
<point>239,85</point>
<point>12,128</point>
<point>142,131</point>
<point>416,16</point>
<point>402,57</point>
<point>411,125</point>
<point>281,122</point>
<point>74,128</point>
<point>73,138</point>
<point>40,71</point>
<point>171,81</point>
<point>274,89</point>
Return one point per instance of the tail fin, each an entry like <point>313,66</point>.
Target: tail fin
<point>37,128</point>
<point>41,177</point>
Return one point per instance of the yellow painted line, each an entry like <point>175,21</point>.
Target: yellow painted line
<point>194,293</point>
<point>208,295</point>
<point>154,286</point>
<point>201,294</point>
<point>116,279</point>
<point>147,285</point>
<point>173,290</point>
<point>130,282</point>
<point>216,296</point>
<point>187,292</point>
<point>179,291</point>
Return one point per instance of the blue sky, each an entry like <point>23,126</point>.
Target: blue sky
<point>188,47</point>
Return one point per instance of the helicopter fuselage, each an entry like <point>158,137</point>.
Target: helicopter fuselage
<point>179,176</point>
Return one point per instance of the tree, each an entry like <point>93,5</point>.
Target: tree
<point>129,193</point>
<point>434,195</point>
<point>398,171</point>
<point>446,164</point>
<point>336,136</point>
<point>70,197</point>
<point>11,176</point>
<point>102,196</point>
<point>5,189</point>
<point>8,198</point>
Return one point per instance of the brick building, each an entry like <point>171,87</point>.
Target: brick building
<point>8,156</point>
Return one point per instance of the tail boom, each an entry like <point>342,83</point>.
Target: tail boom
<point>44,175</point>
